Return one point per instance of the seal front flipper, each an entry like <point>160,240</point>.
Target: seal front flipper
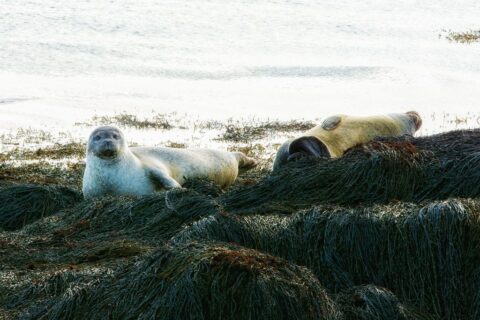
<point>331,123</point>
<point>161,180</point>
<point>307,146</point>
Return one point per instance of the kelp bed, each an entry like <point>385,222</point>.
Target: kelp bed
<point>389,231</point>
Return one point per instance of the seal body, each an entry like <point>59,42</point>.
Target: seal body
<point>342,132</point>
<point>114,168</point>
<point>126,176</point>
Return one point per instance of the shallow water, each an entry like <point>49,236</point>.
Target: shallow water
<point>62,62</point>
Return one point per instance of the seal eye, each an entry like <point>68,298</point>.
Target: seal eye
<point>115,136</point>
<point>96,138</point>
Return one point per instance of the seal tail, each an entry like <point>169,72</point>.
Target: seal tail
<point>244,162</point>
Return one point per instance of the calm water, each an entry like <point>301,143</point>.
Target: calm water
<point>64,61</point>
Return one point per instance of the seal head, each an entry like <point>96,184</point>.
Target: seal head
<point>106,143</point>
<point>307,147</point>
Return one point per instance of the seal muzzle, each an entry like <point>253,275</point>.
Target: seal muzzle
<point>309,146</point>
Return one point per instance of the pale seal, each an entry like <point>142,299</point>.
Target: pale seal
<point>341,132</point>
<point>114,168</point>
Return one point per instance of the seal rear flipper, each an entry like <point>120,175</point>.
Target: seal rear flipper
<point>307,146</point>
<point>161,180</point>
<point>416,118</point>
<point>244,162</point>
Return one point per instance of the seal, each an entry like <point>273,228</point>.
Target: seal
<point>114,168</point>
<point>341,132</point>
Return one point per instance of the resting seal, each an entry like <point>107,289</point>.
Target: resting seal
<point>341,132</point>
<point>114,168</point>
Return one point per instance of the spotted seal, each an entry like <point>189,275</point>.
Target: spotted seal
<point>341,132</point>
<point>114,168</point>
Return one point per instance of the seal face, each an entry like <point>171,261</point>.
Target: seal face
<point>307,146</point>
<point>114,168</point>
<point>339,133</point>
<point>106,143</point>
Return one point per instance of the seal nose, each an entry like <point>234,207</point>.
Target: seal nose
<point>108,145</point>
<point>307,147</point>
<point>108,149</point>
<point>296,156</point>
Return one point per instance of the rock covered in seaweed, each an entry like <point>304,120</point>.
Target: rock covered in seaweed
<point>202,252</point>
<point>372,302</point>
<point>24,204</point>
<point>421,252</point>
<point>199,281</point>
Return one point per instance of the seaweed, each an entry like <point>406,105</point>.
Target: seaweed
<point>199,281</point>
<point>389,231</point>
<point>422,253</point>
<point>23,204</point>
<point>372,302</point>
<point>395,169</point>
